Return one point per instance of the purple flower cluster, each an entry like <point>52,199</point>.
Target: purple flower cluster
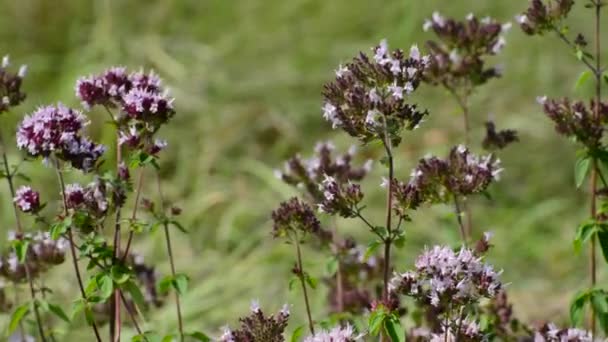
<point>296,215</point>
<point>259,327</point>
<point>10,85</point>
<point>341,199</point>
<point>92,198</point>
<point>58,131</point>
<point>577,120</point>
<point>540,17</point>
<point>42,253</point>
<point>310,173</point>
<point>551,333</point>
<point>446,278</point>
<point>437,180</point>
<point>337,334</point>
<point>144,105</point>
<point>457,58</point>
<point>27,199</point>
<point>457,330</point>
<point>369,97</point>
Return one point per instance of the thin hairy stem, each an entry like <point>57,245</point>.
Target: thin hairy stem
<point>73,246</point>
<point>11,185</point>
<point>140,183</point>
<point>458,211</point>
<point>170,254</point>
<point>565,39</point>
<point>311,325</point>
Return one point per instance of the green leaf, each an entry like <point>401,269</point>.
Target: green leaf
<point>393,328</point>
<point>602,236</point>
<point>581,169</point>
<point>582,79</point>
<point>577,306</point>
<point>20,247</point>
<point>105,284</point>
<point>77,306</point>
<point>579,54</point>
<point>311,281</point>
<point>297,334</point>
<point>332,266</point>
<point>178,225</point>
<point>180,283</point>
<point>168,338</point>
<point>135,293</point>
<point>292,282</point>
<point>199,336</point>
<point>120,274</point>
<point>58,229</point>
<point>376,321</point>
<point>165,284</point>
<point>371,249</point>
<point>58,311</point>
<point>17,317</point>
<point>583,233</point>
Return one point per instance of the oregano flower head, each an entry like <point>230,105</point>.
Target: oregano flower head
<point>309,174</point>
<point>444,277</point>
<point>437,180</point>
<point>337,334</point>
<point>27,199</point>
<point>574,119</point>
<point>541,16</point>
<point>370,96</point>
<point>295,215</point>
<point>57,130</point>
<point>259,327</point>
<point>551,333</point>
<point>458,56</point>
<point>10,85</point>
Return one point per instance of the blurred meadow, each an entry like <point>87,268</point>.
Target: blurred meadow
<point>247,77</point>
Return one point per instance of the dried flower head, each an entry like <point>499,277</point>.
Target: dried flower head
<point>337,334</point>
<point>42,253</point>
<point>458,56</point>
<point>10,86</point>
<point>551,333</point>
<point>27,199</point>
<point>310,173</point>
<point>576,120</point>
<point>295,215</point>
<point>540,17</point>
<point>497,140</point>
<point>444,277</point>
<point>259,327</point>
<point>58,131</point>
<point>458,330</point>
<point>369,97</point>
<point>437,180</point>
<point>93,198</point>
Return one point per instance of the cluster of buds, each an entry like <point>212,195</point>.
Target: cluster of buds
<point>91,199</point>
<point>457,58</point>
<point>369,97</point>
<point>445,278</point>
<point>459,330</point>
<point>341,199</point>
<point>337,334</point>
<point>295,215</point>
<point>359,274</point>
<point>27,200</point>
<point>576,120</point>
<point>308,174</point>
<point>551,333</point>
<point>435,179</point>
<point>57,131</point>
<point>540,17</point>
<point>144,105</point>
<point>497,140</point>
<point>42,253</point>
<point>10,85</point>
<point>259,327</point>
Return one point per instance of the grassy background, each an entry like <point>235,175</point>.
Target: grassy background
<point>247,76</point>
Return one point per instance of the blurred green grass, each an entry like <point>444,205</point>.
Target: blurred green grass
<point>247,76</point>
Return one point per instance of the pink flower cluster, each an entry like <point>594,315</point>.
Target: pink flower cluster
<point>27,199</point>
<point>56,130</point>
